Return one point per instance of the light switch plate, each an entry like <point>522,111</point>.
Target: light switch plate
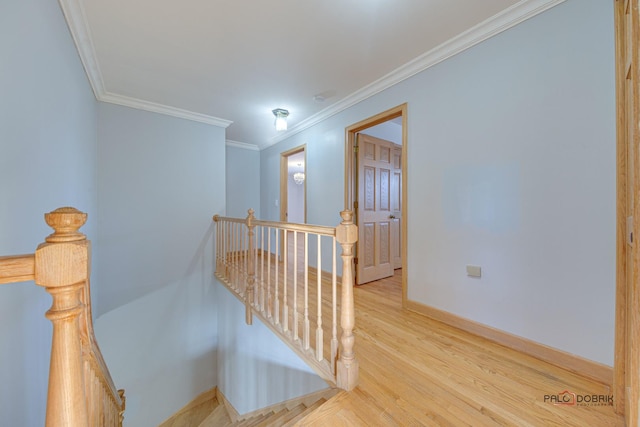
<point>474,271</point>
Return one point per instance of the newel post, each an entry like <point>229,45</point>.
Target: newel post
<point>251,269</point>
<point>62,268</point>
<point>347,366</point>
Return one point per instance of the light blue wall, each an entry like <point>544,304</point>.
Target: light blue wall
<point>161,179</point>
<point>243,181</point>
<point>255,368</point>
<point>511,166</point>
<point>47,160</point>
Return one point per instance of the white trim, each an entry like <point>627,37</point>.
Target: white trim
<point>76,19</point>
<point>162,109</point>
<point>244,145</point>
<point>498,23</point>
<point>519,12</point>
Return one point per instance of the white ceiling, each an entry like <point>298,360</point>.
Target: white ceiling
<point>218,61</point>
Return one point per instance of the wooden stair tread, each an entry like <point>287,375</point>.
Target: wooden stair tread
<point>275,418</point>
<point>218,417</point>
<point>310,409</point>
<point>253,421</point>
<point>291,414</point>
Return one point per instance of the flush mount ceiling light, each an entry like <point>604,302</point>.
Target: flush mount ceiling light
<point>281,118</point>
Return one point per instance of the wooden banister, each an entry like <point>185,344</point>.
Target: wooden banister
<point>347,236</point>
<point>323,230</point>
<point>81,391</point>
<point>278,284</point>
<point>251,268</point>
<point>17,268</point>
<point>62,265</point>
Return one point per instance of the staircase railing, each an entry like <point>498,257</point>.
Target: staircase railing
<point>81,391</point>
<point>272,268</point>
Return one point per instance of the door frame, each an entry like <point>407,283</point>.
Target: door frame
<point>350,175</point>
<point>626,367</point>
<point>284,180</point>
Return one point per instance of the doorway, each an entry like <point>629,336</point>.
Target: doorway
<point>376,190</point>
<point>293,185</point>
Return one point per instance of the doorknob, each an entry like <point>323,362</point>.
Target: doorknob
<point>392,217</point>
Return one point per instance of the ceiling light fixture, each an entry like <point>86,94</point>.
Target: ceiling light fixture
<point>298,178</point>
<point>281,118</point>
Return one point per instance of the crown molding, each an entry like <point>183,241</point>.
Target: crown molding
<point>243,145</point>
<point>510,17</point>
<point>140,104</point>
<point>76,18</point>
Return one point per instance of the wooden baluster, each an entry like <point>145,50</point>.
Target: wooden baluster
<point>262,281</point>
<point>334,310</point>
<point>285,268</point>
<point>216,218</point>
<point>239,261</point>
<point>251,274</point>
<point>347,235</point>
<point>62,268</point>
<point>276,308</point>
<point>224,233</point>
<point>234,256</point>
<point>123,399</point>
<point>295,286</point>
<point>305,332</point>
<point>242,261</point>
<point>269,295</point>
<point>319,333</point>
<point>231,255</point>
<point>227,250</point>
<point>218,244</point>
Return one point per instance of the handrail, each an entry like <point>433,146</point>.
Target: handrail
<point>305,228</point>
<point>17,268</point>
<point>279,286</point>
<point>81,390</point>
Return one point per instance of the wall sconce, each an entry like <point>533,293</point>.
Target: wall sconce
<point>281,118</point>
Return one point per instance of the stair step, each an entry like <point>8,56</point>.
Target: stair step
<point>275,419</point>
<point>291,414</point>
<point>253,421</point>
<point>219,417</point>
<point>308,410</point>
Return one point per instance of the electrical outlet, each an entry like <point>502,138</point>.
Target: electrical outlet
<point>474,271</point>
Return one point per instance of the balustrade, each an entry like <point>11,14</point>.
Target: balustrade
<point>270,269</point>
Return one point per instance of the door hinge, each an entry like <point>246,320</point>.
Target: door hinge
<point>355,260</point>
<point>355,205</point>
<point>355,148</point>
<point>630,230</point>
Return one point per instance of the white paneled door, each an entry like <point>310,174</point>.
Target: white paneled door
<point>379,202</point>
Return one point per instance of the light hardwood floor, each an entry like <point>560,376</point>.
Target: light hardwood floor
<point>418,372</point>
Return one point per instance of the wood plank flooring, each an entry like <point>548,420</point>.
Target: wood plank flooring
<point>418,372</point>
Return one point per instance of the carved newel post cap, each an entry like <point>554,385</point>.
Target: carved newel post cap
<point>65,222</point>
<point>347,216</point>
<point>250,217</point>
<point>347,231</point>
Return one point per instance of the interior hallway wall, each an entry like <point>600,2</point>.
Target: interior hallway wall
<point>242,168</point>
<point>511,166</point>
<point>160,181</point>
<point>48,153</point>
